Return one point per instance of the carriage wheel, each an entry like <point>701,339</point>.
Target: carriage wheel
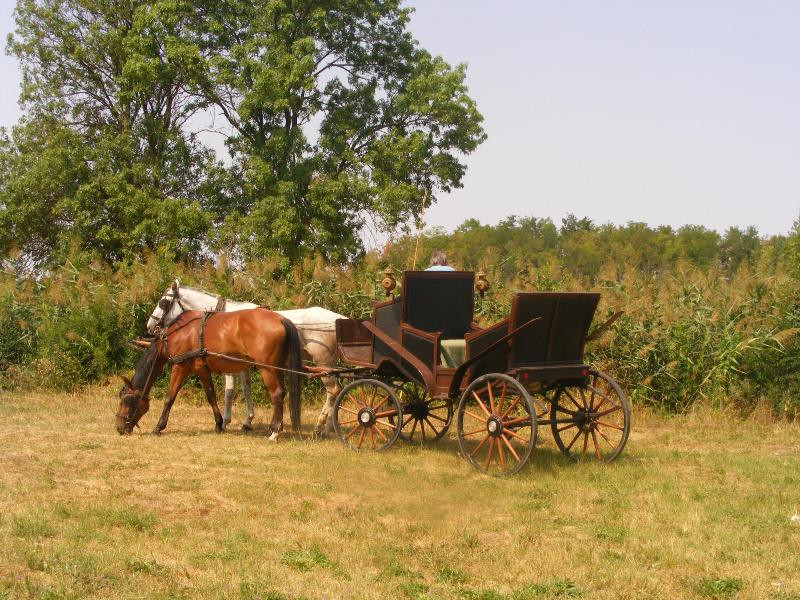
<point>425,419</point>
<point>362,413</point>
<point>496,424</point>
<point>591,420</point>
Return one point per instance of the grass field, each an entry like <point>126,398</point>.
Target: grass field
<point>697,507</point>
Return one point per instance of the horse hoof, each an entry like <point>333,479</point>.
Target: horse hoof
<point>273,437</point>
<point>247,427</point>
<point>156,431</point>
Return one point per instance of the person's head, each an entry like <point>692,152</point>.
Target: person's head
<point>438,259</point>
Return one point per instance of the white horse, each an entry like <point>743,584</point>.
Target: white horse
<point>316,326</point>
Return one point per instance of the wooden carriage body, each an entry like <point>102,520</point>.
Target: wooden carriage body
<point>427,335</point>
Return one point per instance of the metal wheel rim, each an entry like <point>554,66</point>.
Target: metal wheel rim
<point>505,418</point>
<point>603,437</point>
<point>379,434</point>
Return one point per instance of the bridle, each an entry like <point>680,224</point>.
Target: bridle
<point>166,303</point>
<point>162,333</point>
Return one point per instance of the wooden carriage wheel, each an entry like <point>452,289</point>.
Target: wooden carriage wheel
<point>367,415</point>
<point>496,424</point>
<point>425,419</point>
<point>592,420</point>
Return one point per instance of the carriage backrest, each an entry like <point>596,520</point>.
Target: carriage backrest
<point>559,336</point>
<point>386,317</point>
<point>439,301</point>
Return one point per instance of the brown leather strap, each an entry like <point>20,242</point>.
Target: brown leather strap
<point>220,307</point>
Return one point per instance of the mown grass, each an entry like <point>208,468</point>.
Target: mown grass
<point>698,506</point>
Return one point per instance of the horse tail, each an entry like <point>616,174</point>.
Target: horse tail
<point>291,347</point>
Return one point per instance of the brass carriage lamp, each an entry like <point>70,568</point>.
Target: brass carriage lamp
<point>388,282</point>
<point>482,284</point>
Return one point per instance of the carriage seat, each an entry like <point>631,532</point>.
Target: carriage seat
<point>452,353</point>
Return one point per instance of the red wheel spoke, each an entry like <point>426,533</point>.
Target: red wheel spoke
<point>352,431</point>
<point>605,412</point>
<point>489,456</point>
<point>575,402</point>
<point>385,424</point>
<point>565,427</point>
<point>591,400</point>
<point>577,435</point>
<point>407,421</point>
<point>411,435</point>
<point>602,395</point>
<point>478,447</point>
<point>361,439</point>
<point>348,422</point>
<point>372,398</point>
<point>372,437</point>
<point>491,397</point>
<point>481,430</point>
<point>510,408</point>
<point>483,406</point>
<point>363,397</point>
<point>422,428</point>
<point>509,446</point>
<point>386,413</point>
<point>596,447</point>
<point>502,399</point>
<point>476,417</point>
<point>610,443</point>
<point>345,409</point>
<point>604,424</point>
<point>585,442</point>
<point>437,417</point>
<point>380,433</point>
<point>501,455</point>
<point>435,431</point>
<point>516,435</point>
<point>517,421</point>
<point>382,402</point>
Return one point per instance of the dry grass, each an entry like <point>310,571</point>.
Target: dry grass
<point>697,506</point>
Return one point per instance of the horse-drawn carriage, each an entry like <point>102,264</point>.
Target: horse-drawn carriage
<point>423,361</point>
<point>419,362</point>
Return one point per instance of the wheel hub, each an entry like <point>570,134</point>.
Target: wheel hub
<point>586,421</point>
<point>366,417</point>
<point>419,410</point>
<point>494,426</point>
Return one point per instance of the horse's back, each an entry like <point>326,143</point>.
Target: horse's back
<point>311,315</point>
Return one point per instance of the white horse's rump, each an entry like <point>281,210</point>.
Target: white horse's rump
<point>316,326</point>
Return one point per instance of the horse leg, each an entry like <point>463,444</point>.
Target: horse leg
<point>176,378</point>
<point>248,400</point>
<point>230,382</point>
<point>211,396</point>
<point>324,422</point>
<point>273,382</point>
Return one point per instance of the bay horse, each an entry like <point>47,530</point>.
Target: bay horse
<point>194,344</point>
<point>316,327</point>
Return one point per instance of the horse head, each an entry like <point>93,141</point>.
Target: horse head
<point>168,308</point>
<point>134,398</point>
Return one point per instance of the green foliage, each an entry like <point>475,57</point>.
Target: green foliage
<point>690,335</point>
<point>724,587</point>
<point>335,115</point>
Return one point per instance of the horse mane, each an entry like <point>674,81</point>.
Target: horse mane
<point>145,365</point>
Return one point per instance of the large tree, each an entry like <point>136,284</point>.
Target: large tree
<point>334,117</point>
<point>337,116</point>
<point>101,158</point>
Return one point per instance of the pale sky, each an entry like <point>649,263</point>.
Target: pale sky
<point>664,112</point>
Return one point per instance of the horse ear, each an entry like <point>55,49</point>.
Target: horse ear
<point>127,381</point>
<point>175,285</point>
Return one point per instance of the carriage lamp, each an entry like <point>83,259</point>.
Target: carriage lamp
<point>388,282</point>
<point>482,284</point>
